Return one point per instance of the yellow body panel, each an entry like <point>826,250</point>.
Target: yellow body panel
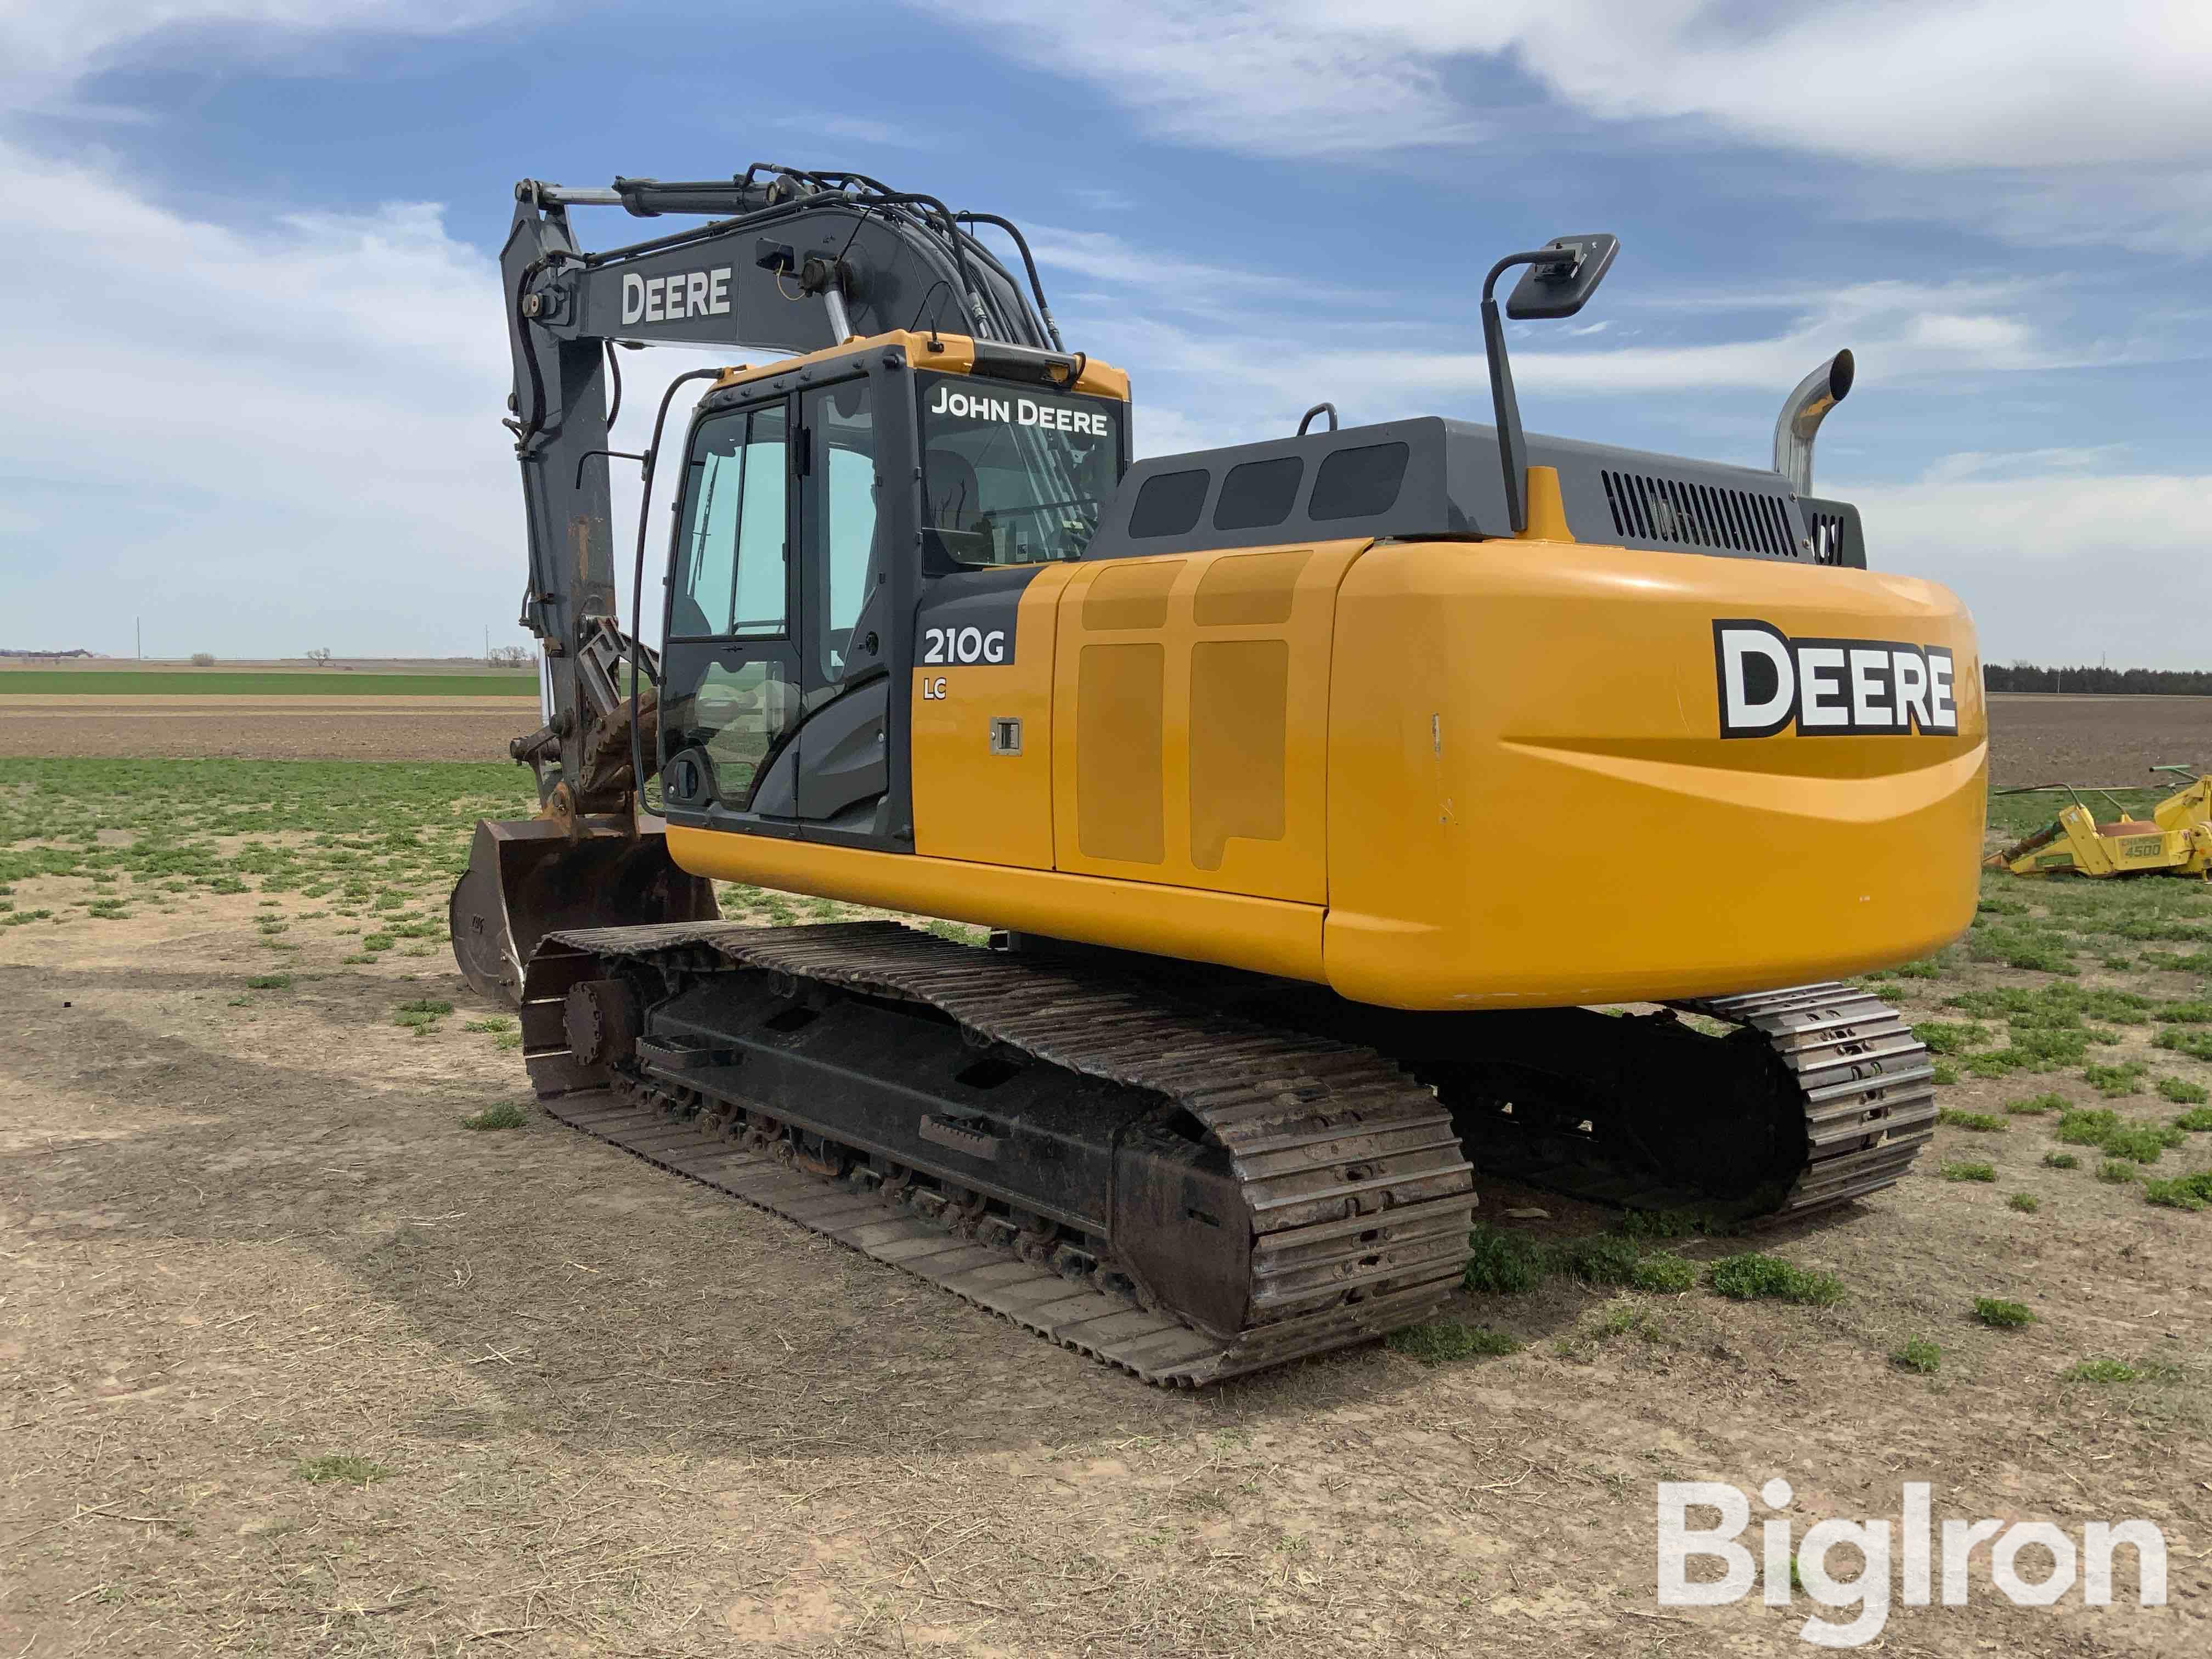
<point>1432,775</point>
<point>970,803</point>
<point>1190,719</point>
<point>1264,935</point>
<point>1530,802</point>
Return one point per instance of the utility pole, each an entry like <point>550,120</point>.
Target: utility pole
<point>138,632</point>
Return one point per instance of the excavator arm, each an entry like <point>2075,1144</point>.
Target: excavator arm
<point>785,261</point>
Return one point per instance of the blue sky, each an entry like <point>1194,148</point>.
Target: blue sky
<point>250,341</point>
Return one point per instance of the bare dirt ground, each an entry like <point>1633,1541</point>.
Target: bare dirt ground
<point>267,728</point>
<point>620,1414</point>
<point>603,1411</point>
<point>2107,740</point>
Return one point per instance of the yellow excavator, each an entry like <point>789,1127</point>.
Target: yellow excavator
<point>2175,840</point>
<point>1352,811</point>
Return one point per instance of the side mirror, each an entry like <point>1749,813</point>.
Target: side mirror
<point>1561,276</point>
<point>1562,287</point>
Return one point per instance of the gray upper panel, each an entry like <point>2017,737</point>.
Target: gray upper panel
<point>1434,477</point>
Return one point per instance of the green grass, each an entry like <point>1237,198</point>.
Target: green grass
<point>1947,1037</point>
<point>1918,1355</point>
<point>1968,1171</point>
<point>2197,962</point>
<point>2196,1044</point>
<point>2189,1192</point>
<point>1601,1259</point>
<point>2086,1126</point>
<point>342,1467</point>
<point>2099,1127</point>
<point>2036,1105</point>
<point>1440,1341</point>
<point>1664,1273</point>
<point>2101,1370</point>
<point>2036,949</point>
<point>505,1115</point>
<point>1982,1123</point>
<point>237,683</point>
<point>2114,1081</point>
<point>2000,1314</point>
<point>2025,1203</point>
<point>2053,1005</point>
<point>269,982</point>
<point>1500,1263</point>
<point>2061,1161</point>
<point>1753,1277</point>
<point>2186,1013</point>
<point>2186,1093</point>
<point>233,826</point>
<point>2117,1172</point>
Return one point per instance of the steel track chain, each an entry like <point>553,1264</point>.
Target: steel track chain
<point>1867,1084</point>
<point>1359,1199</point>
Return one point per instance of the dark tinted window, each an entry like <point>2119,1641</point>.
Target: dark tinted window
<point>1169,504</point>
<point>1358,483</point>
<point>1258,493</point>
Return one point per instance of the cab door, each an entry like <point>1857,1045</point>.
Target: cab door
<point>776,715</point>
<point>732,688</point>
<point>835,776</point>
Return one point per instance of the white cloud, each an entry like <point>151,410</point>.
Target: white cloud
<point>2021,463</point>
<point>1915,83</point>
<point>48,49</point>
<point>244,432</point>
<point>1173,278</point>
<point>2122,554</point>
<point>1902,334</point>
<point>1242,75</point>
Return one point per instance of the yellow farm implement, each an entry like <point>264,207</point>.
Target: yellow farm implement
<point>2175,840</point>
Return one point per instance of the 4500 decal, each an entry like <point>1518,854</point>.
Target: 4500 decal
<point>1769,681</point>
<point>964,645</point>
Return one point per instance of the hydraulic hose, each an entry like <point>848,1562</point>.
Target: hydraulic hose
<point>1035,287</point>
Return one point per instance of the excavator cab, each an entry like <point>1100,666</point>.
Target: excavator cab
<point>824,503</point>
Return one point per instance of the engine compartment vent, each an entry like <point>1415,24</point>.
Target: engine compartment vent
<point>1657,509</point>
<point>1827,530</point>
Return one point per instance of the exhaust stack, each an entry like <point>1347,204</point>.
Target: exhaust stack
<point>1808,405</point>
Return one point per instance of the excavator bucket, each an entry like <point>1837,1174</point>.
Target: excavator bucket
<point>530,877</point>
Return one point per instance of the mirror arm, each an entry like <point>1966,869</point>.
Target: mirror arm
<point>1505,408</point>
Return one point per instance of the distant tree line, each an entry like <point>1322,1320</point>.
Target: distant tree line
<point>2140,682</point>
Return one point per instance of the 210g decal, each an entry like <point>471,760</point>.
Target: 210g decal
<point>1769,682</point>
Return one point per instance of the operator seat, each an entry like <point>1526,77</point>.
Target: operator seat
<point>953,500</point>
